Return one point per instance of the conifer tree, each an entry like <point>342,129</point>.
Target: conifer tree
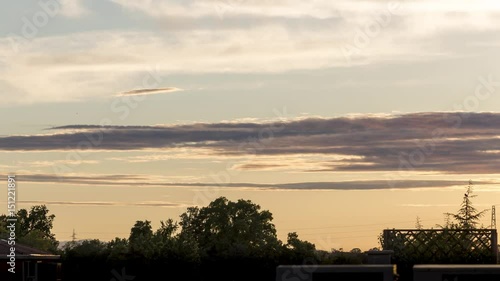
<point>467,216</point>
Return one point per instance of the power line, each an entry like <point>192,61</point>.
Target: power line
<point>341,232</point>
<point>345,237</point>
<point>284,229</point>
<point>90,232</point>
<point>360,225</point>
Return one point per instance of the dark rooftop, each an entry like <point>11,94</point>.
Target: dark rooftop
<point>23,251</point>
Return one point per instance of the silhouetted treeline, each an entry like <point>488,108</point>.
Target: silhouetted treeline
<point>223,241</point>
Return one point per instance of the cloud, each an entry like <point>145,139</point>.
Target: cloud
<point>427,205</point>
<point>101,203</point>
<point>145,181</point>
<point>253,37</point>
<point>291,162</point>
<point>141,92</point>
<point>448,142</point>
<point>73,8</point>
<point>218,8</point>
<point>35,164</point>
<point>290,9</point>
<point>91,65</point>
<point>170,154</point>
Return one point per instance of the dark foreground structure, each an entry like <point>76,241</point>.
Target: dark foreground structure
<point>30,264</point>
<point>335,272</point>
<point>465,272</point>
<point>415,255</point>
<point>440,247</point>
<point>386,273</point>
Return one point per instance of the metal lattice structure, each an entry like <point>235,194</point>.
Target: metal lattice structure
<point>493,218</point>
<point>442,246</point>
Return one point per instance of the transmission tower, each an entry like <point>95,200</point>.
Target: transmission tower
<point>73,236</point>
<point>493,218</point>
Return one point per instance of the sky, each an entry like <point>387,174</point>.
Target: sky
<point>342,118</point>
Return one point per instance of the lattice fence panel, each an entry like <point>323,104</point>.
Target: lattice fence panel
<point>414,246</point>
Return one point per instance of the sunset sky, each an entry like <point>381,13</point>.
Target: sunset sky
<point>340,117</point>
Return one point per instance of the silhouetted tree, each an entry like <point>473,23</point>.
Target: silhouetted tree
<point>34,228</point>
<point>456,242</point>
<point>298,250</point>
<point>339,256</point>
<point>88,248</point>
<point>226,228</point>
<point>217,242</point>
<point>118,249</point>
<point>140,239</point>
<point>467,216</point>
<point>418,223</point>
<point>356,251</point>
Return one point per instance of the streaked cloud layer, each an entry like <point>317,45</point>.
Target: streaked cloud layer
<point>102,203</point>
<point>276,36</point>
<point>141,92</point>
<point>146,181</point>
<point>448,142</point>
